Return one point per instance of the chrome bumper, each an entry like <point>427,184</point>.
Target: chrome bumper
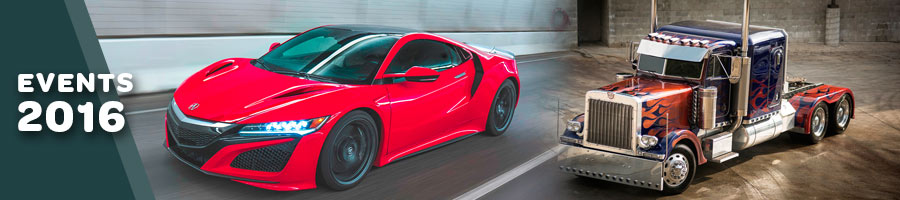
<point>612,167</point>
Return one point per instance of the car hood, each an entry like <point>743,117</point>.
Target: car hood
<point>232,90</point>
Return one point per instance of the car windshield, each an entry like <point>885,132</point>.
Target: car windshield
<point>670,67</point>
<point>331,55</point>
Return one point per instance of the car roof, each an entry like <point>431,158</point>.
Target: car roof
<point>374,29</point>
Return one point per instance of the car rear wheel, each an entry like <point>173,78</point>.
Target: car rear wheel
<point>349,151</point>
<point>840,116</point>
<point>502,109</point>
<point>678,170</point>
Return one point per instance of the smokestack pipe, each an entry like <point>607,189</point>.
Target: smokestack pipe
<point>745,28</point>
<point>653,16</point>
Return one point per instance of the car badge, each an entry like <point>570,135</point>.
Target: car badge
<point>611,95</point>
<point>193,106</point>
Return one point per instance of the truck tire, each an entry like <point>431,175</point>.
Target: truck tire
<point>818,124</point>
<point>678,170</point>
<point>840,115</point>
<point>502,109</point>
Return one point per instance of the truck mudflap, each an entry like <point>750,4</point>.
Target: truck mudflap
<point>635,171</point>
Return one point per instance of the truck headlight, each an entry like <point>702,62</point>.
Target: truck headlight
<point>648,141</point>
<point>285,128</point>
<point>574,127</point>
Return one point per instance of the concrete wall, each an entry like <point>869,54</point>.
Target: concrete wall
<point>804,20</point>
<point>163,42</point>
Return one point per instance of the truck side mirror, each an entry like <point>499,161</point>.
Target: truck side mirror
<point>737,64</point>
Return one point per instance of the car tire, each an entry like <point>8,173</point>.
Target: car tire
<point>817,126</point>
<point>502,109</point>
<point>349,151</point>
<point>840,115</point>
<point>676,179</point>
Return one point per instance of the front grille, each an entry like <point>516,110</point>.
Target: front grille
<point>191,137</point>
<point>191,156</point>
<point>268,159</point>
<point>610,124</point>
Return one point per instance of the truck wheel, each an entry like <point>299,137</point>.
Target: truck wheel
<point>349,151</point>
<point>840,116</point>
<point>678,170</point>
<point>818,123</point>
<point>502,109</point>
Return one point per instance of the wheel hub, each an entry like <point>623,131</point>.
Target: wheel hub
<point>818,123</point>
<point>676,170</point>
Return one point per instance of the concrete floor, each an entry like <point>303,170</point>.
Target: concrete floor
<point>861,163</point>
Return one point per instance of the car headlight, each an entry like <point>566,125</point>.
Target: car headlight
<point>285,128</point>
<point>648,141</point>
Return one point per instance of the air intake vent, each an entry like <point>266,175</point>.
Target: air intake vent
<point>268,159</point>
<point>218,68</point>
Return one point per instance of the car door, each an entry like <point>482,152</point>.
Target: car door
<point>422,112</point>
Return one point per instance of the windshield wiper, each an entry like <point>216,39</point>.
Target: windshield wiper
<point>321,78</point>
<point>263,64</point>
<point>306,76</point>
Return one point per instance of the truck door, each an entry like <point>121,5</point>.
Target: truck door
<point>718,69</point>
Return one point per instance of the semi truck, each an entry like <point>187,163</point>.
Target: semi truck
<point>700,92</point>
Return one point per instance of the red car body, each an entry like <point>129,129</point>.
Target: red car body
<point>412,116</point>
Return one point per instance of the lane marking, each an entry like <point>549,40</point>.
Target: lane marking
<point>498,181</point>
<point>542,59</point>
<point>146,111</point>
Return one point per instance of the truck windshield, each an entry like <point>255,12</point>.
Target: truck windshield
<point>670,67</point>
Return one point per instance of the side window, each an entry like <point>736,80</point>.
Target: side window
<point>718,66</point>
<point>423,53</point>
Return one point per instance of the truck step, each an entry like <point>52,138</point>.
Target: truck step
<point>725,157</point>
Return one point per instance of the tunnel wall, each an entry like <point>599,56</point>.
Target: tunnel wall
<point>163,42</point>
<point>804,20</point>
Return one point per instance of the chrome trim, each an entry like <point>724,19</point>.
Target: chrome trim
<point>633,101</point>
<point>460,75</point>
<point>635,171</point>
<point>184,118</point>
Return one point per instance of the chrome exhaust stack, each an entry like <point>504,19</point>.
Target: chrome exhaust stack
<point>653,16</point>
<point>743,91</point>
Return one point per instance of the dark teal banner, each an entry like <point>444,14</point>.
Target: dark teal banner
<point>57,37</point>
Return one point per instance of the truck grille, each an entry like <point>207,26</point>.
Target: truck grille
<point>610,124</point>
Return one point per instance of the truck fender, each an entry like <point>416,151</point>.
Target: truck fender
<point>804,102</point>
<point>676,136</point>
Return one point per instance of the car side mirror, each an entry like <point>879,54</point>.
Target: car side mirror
<point>274,45</point>
<point>737,64</point>
<point>417,74</point>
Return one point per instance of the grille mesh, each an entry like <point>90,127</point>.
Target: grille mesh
<point>191,137</point>
<point>610,124</point>
<point>267,159</point>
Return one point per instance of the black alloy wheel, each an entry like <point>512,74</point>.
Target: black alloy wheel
<point>349,151</point>
<point>502,109</point>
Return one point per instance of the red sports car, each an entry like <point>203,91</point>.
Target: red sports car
<point>331,102</point>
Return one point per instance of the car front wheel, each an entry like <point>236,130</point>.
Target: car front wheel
<point>349,151</point>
